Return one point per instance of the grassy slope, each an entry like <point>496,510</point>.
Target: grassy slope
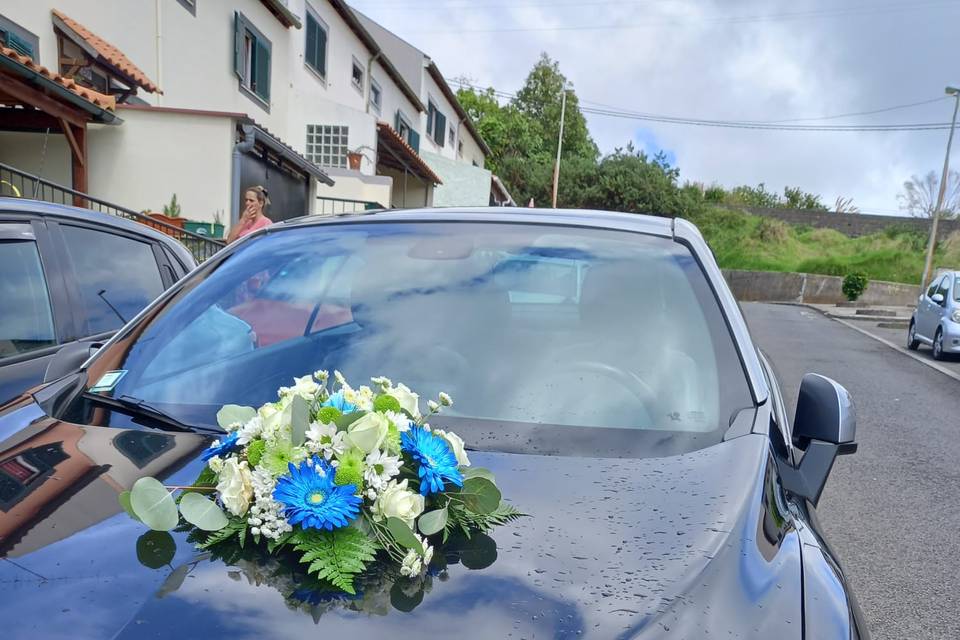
<point>742,241</point>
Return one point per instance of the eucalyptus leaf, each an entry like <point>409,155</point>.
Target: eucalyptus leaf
<point>174,581</point>
<point>202,512</point>
<point>156,549</point>
<point>299,420</point>
<point>479,552</point>
<point>403,535</point>
<point>124,499</point>
<point>477,472</point>
<point>432,521</point>
<point>233,414</point>
<point>153,504</point>
<point>347,419</point>
<point>479,495</point>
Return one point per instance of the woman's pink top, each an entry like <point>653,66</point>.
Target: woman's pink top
<point>261,222</point>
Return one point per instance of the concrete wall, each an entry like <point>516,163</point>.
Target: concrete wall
<point>25,151</point>
<point>853,224</point>
<point>463,185</point>
<point>141,163</point>
<point>769,286</point>
<point>410,192</point>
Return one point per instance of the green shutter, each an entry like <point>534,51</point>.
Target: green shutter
<point>311,50</point>
<point>431,114</point>
<point>19,45</point>
<point>440,129</point>
<point>262,74</point>
<point>321,51</point>
<point>238,44</point>
<point>414,140</point>
<point>396,121</point>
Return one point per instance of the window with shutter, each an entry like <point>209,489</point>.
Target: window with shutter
<point>316,48</point>
<point>251,59</point>
<point>431,114</point>
<point>261,85</point>
<point>439,129</point>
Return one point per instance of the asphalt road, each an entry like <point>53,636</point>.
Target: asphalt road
<point>890,510</point>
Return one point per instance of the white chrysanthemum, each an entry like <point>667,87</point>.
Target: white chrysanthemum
<point>380,468</point>
<point>433,406</point>
<point>325,439</point>
<point>364,399</point>
<point>400,420</point>
<point>446,400</point>
<point>382,381</point>
<point>250,431</point>
<point>321,375</point>
<point>414,563</point>
<point>215,463</point>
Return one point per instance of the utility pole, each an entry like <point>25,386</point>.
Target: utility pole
<point>928,263</point>
<point>556,167</point>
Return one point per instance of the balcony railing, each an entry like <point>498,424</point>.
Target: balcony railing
<point>334,206</point>
<point>14,182</point>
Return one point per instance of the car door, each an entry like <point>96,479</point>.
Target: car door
<point>113,275</point>
<point>926,311</point>
<point>33,318</point>
<point>939,309</point>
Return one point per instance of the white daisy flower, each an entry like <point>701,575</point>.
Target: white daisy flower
<point>325,439</point>
<point>400,420</point>
<point>380,468</point>
<point>250,431</point>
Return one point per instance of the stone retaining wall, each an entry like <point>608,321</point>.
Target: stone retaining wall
<point>770,286</point>
<point>854,224</point>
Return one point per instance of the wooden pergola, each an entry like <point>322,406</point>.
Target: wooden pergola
<point>35,99</point>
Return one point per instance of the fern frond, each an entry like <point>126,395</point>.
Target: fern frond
<point>467,521</point>
<point>235,527</point>
<point>336,556</point>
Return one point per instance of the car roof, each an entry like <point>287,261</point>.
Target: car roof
<point>653,225</point>
<point>41,208</point>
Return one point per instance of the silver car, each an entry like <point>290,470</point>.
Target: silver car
<point>936,320</point>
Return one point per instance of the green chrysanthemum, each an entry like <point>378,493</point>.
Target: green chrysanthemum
<point>350,469</point>
<point>385,403</point>
<point>255,452</point>
<point>326,415</point>
<point>277,456</point>
<point>392,441</point>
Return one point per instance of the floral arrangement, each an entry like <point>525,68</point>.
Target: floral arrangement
<point>340,478</point>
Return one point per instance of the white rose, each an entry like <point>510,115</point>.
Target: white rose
<point>396,501</point>
<point>304,386</point>
<point>408,399</point>
<point>456,443</point>
<point>235,487</point>
<point>368,432</point>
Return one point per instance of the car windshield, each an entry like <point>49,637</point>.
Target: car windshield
<point>522,324</point>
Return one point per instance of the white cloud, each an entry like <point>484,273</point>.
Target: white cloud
<point>689,60</point>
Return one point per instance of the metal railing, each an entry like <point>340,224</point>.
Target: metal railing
<point>14,182</point>
<point>327,206</point>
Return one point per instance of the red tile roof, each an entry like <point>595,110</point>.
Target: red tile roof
<point>93,97</point>
<point>389,135</point>
<point>109,53</point>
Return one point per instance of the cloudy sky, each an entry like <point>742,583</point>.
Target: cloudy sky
<point>756,60</point>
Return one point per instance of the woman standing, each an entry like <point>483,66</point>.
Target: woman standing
<point>255,200</point>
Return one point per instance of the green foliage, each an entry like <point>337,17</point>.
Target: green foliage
<point>466,522</point>
<point>173,209</point>
<point>204,540</point>
<point>153,504</point>
<point>202,512</point>
<point>255,452</point>
<point>854,284</point>
<point>336,556</point>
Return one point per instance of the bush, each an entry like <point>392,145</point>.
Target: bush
<point>854,284</point>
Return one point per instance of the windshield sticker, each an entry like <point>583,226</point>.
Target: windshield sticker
<point>109,380</point>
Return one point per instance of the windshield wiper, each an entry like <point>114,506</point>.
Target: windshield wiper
<point>139,408</point>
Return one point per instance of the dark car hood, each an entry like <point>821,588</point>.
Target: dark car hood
<point>687,545</point>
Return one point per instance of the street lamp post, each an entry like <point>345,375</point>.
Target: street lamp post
<point>928,263</point>
<point>556,166</point>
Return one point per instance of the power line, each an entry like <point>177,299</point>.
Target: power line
<point>773,125</point>
<point>732,20</point>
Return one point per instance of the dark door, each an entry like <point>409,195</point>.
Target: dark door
<point>288,192</point>
<point>28,333</point>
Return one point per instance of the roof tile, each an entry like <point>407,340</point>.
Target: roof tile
<point>110,53</point>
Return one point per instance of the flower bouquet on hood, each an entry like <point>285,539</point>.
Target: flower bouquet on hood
<point>342,477</point>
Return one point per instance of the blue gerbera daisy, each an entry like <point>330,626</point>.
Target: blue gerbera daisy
<point>312,500</point>
<point>337,401</point>
<point>435,457</point>
<point>221,447</point>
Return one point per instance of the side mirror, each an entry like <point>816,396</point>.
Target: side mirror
<point>937,297</point>
<point>825,426</point>
<point>69,358</point>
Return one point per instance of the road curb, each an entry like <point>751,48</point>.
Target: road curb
<point>901,350</point>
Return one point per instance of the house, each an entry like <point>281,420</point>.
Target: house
<point>450,143</point>
<point>136,101</point>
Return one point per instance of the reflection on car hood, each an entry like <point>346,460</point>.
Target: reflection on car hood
<point>612,548</point>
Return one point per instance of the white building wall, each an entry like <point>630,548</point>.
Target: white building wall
<point>25,151</point>
<point>152,155</point>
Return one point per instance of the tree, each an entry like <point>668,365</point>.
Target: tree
<point>796,198</point>
<point>507,131</point>
<point>919,195</point>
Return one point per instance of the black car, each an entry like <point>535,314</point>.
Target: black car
<point>70,277</point>
<point>600,367</point>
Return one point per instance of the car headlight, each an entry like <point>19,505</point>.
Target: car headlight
<point>955,316</point>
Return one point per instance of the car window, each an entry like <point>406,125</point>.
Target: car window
<point>944,288</point>
<point>522,324</point>
<point>26,318</point>
<point>932,289</point>
<point>956,289</point>
<point>117,276</point>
